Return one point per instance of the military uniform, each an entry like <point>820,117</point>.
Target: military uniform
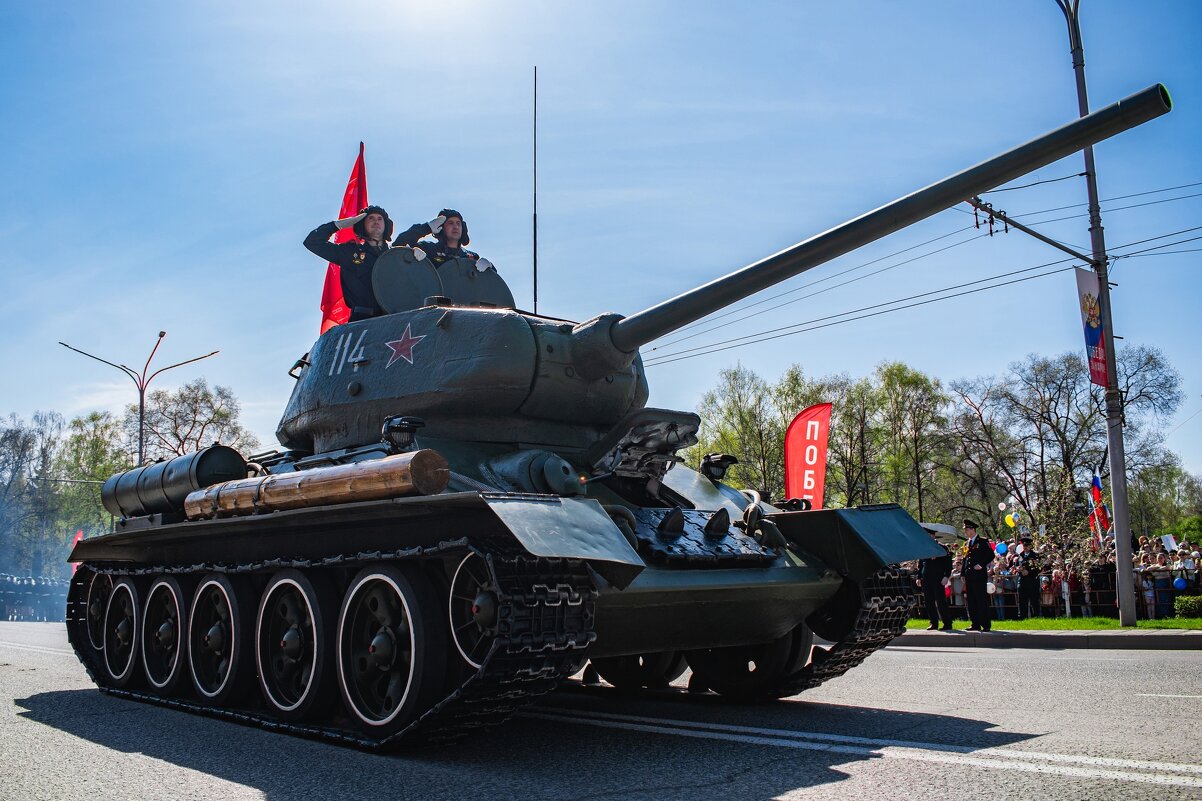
<point>435,249</point>
<point>1028,585</point>
<point>357,260</point>
<point>932,572</point>
<point>979,555</point>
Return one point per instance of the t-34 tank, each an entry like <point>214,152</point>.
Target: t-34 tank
<point>475,501</point>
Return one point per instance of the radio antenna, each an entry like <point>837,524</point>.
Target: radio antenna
<point>536,189</point>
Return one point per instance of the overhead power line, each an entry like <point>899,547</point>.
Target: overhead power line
<point>878,309</point>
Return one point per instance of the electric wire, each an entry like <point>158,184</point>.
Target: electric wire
<point>1035,183</point>
<point>829,320</point>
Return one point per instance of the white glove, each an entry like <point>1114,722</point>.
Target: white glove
<point>436,224</point>
<point>483,264</point>
<point>419,254</point>
<point>347,222</point>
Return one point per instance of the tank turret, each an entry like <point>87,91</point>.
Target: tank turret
<point>454,351</point>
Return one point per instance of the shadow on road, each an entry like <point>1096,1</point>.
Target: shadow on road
<point>527,758</point>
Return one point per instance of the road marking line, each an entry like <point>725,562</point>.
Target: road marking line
<point>998,758</point>
<point>952,667</point>
<point>35,648</point>
<point>1159,695</point>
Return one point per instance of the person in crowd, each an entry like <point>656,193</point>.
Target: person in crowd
<point>933,574</point>
<point>977,556</point>
<point>1162,580</point>
<point>1029,566</point>
<point>356,258</point>
<point>450,238</point>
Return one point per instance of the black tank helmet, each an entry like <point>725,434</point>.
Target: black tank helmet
<point>361,232</point>
<point>464,239</point>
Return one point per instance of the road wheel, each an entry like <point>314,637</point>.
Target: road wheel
<point>755,671</point>
<point>472,610</point>
<point>218,644</point>
<point>392,649</point>
<point>162,640</point>
<point>99,589</point>
<point>121,633</point>
<point>294,640</point>
<point>652,671</point>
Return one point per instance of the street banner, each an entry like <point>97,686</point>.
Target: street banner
<point>334,310</point>
<point>1091,321</point>
<point>805,454</point>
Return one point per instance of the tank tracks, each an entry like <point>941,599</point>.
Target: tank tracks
<point>545,615</point>
<point>886,600</point>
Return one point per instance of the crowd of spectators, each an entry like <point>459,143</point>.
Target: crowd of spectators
<point>1080,581</point>
<point>32,599</point>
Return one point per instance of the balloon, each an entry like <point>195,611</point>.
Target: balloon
<point>990,588</point>
<point>948,591</point>
<point>1010,520</point>
<point>1001,548</point>
<point>1179,584</point>
<point>1001,507</point>
<point>1019,548</point>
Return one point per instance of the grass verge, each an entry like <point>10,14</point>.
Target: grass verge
<point>1070,624</point>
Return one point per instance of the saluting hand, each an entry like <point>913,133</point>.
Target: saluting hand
<point>436,224</point>
<point>347,222</point>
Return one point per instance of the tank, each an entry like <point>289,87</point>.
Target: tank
<point>475,503</point>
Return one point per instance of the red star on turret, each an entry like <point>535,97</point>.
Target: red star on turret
<point>403,348</point>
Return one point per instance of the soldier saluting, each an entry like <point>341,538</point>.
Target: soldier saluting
<point>450,238</point>
<point>356,258</point>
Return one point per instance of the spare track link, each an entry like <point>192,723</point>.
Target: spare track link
<point>886,600</point>
<point>545,625</point>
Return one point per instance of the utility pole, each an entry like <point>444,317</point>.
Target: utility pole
<point>1124,588</point>
<point>142,382</point>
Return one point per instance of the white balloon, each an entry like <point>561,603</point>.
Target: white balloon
<point>1001,507</point>
<point>990,588</point>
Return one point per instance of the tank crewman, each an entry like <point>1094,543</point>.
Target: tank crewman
<point>978,555</point>
<point>357,258</point>
<point>450,236</point>
<point>931,575</point>
<point>1029,565</point>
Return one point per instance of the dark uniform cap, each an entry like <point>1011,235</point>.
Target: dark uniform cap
<point>970,524</point>
<point>361,232</point>
<point>464,239</point>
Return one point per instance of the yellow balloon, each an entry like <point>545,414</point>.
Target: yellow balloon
<point>1010,520</point>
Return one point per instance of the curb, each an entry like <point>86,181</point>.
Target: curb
<point>1150,639</point>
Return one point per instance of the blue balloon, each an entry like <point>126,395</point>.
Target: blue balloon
<point>1001,547</point>
<point>1179,583</point>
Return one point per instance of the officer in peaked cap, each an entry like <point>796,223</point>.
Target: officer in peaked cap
<point>1029,565</point>
<point>978,556</point>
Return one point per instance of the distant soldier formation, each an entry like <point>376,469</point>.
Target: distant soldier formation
<point>26,598</point>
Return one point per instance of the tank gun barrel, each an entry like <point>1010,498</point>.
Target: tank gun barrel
<point>638,329</point>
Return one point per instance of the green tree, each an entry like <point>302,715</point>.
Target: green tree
<point>188,419</point>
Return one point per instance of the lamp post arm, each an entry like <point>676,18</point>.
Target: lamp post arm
<point>120,367</point>
<point>179,364</point>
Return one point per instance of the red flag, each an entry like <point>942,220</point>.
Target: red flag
<point>334,310</point>
<point>805,454</point>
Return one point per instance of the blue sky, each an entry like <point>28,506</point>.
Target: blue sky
<point>162,164</point>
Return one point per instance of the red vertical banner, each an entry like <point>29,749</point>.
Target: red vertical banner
<point>805,454</point>
<point>1091,320</point>
<point>334,310</point>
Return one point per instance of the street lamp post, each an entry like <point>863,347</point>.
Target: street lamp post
<point>142,381</point>
<point>1114,400</point>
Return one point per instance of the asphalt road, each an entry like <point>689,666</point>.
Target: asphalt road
<point>909,722</point>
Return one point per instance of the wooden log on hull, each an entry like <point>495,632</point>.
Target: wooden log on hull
<point>423,472</point>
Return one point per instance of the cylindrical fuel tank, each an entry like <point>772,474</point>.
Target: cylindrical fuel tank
<point>163,486</point>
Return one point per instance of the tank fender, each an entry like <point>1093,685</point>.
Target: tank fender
<point>856,543</point>
<point>568,528</point>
